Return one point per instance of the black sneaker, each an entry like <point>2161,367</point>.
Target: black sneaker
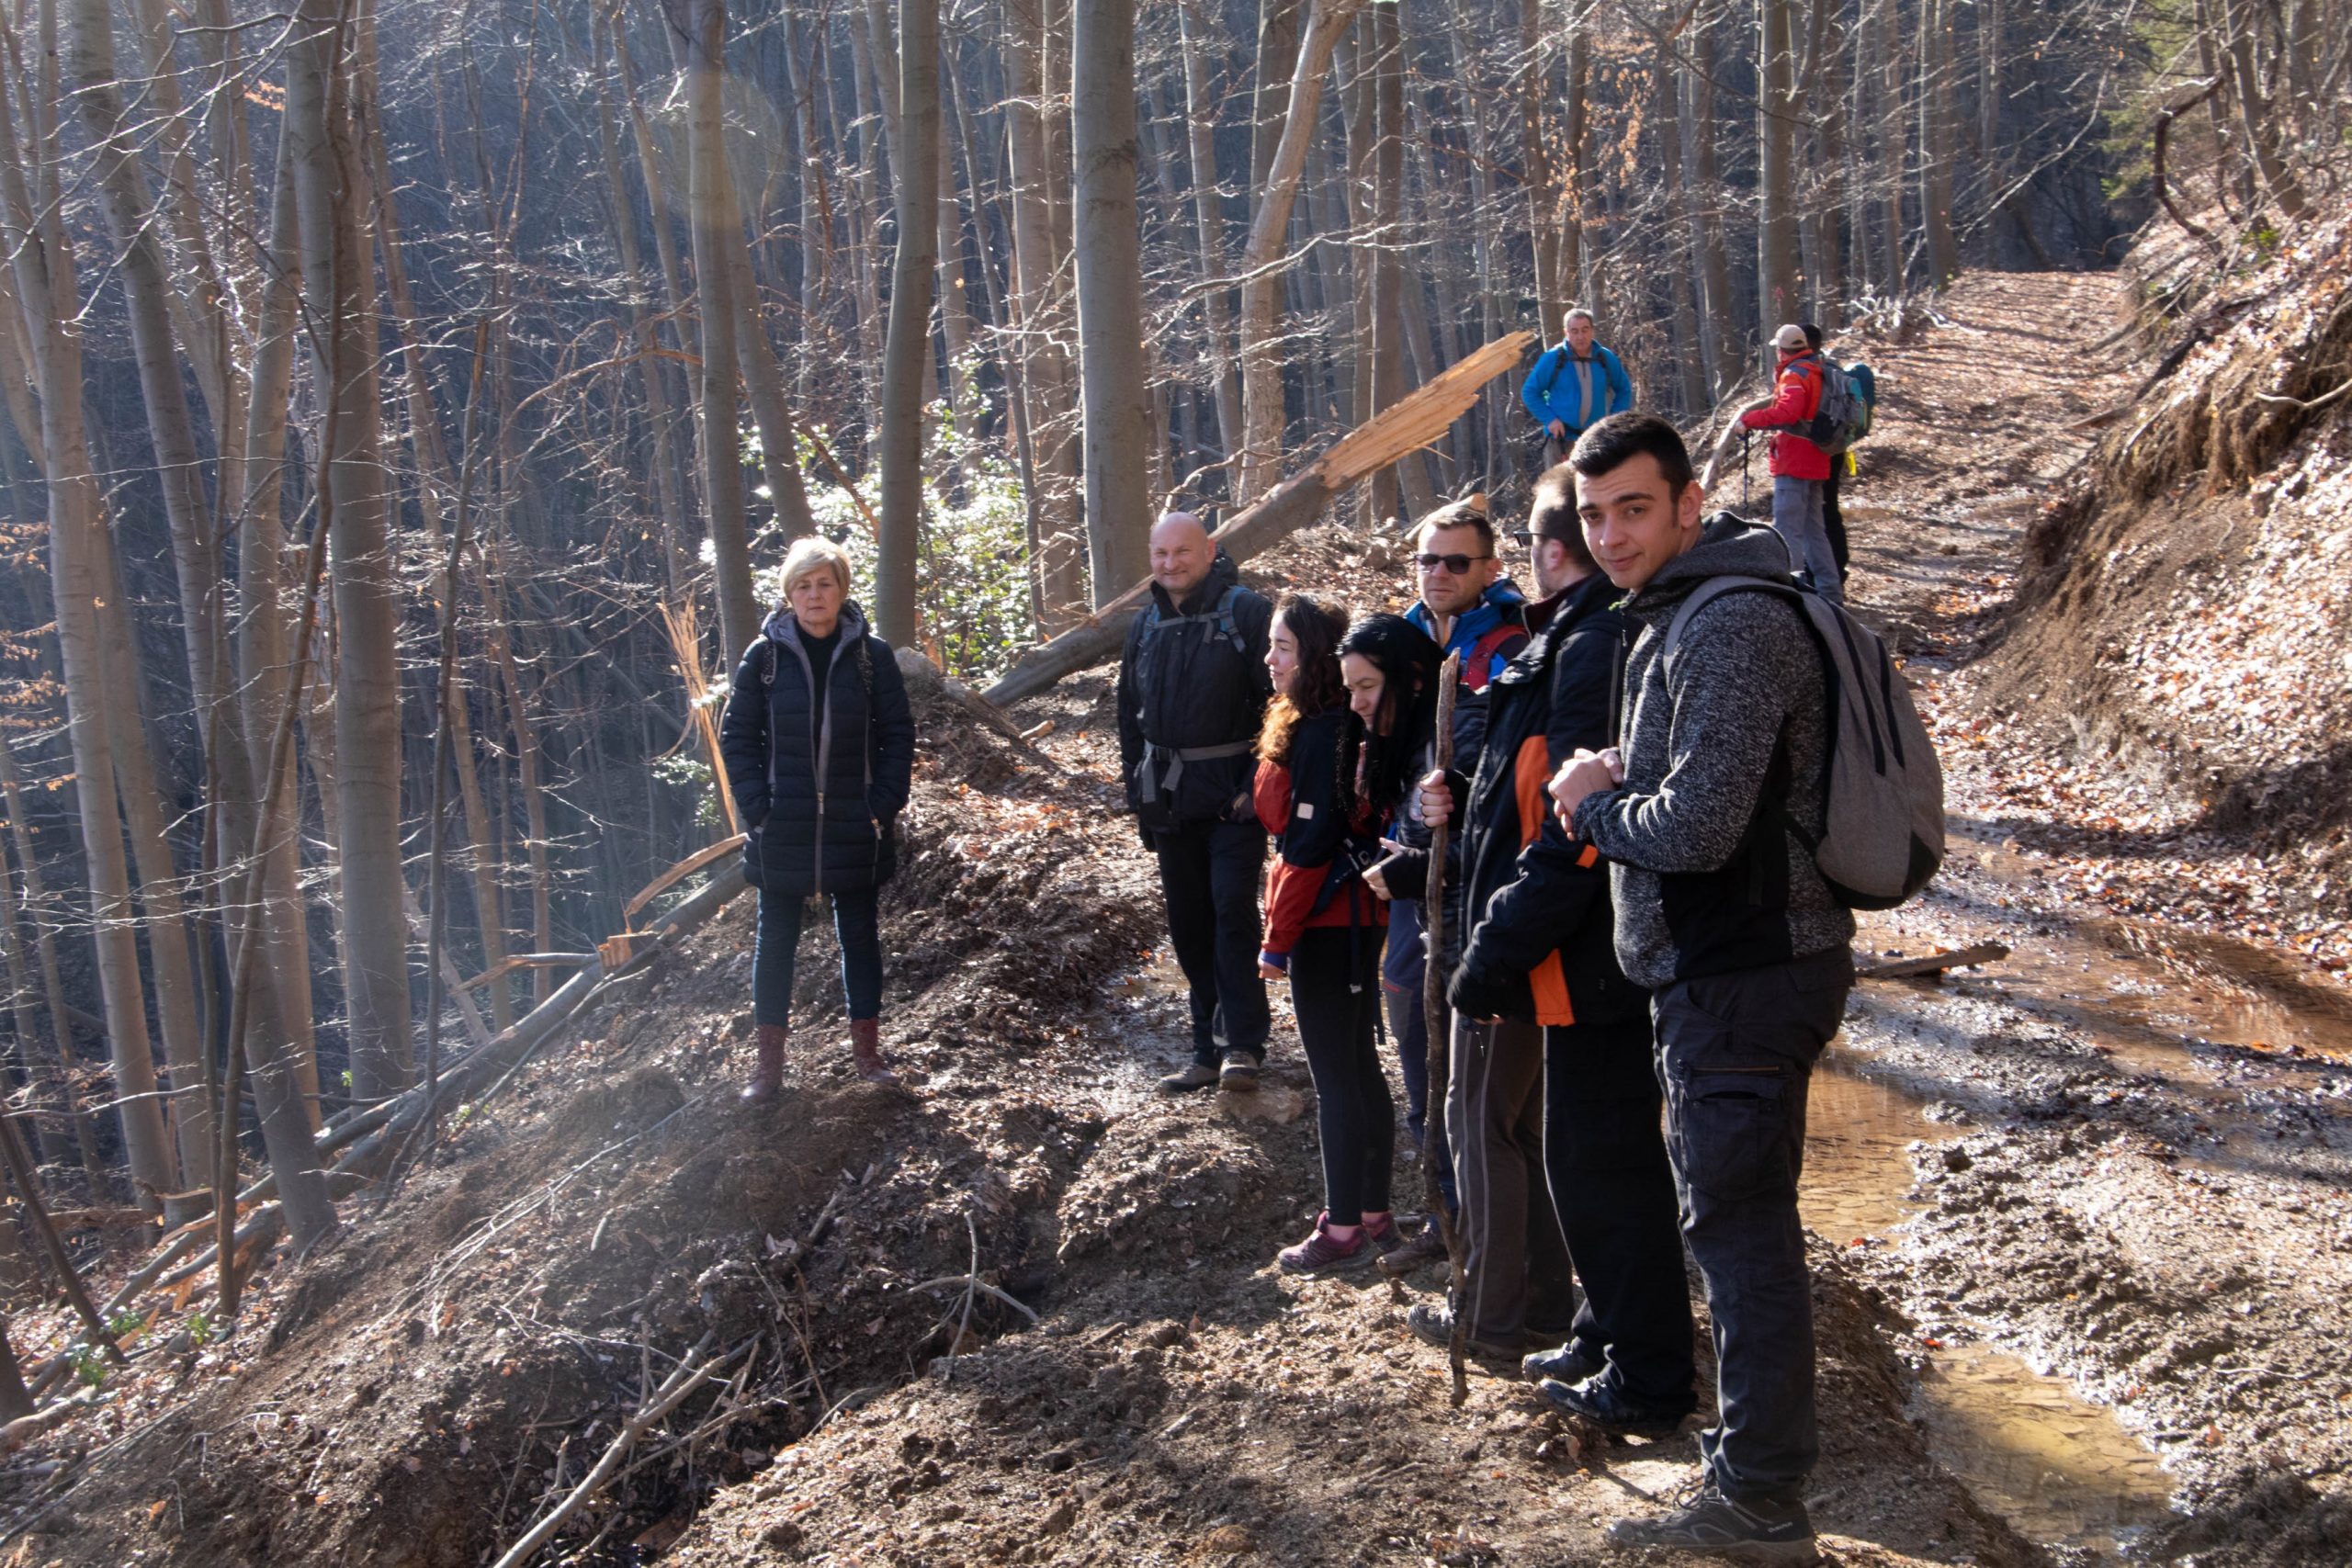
<point>1708,1522</point>
<point>1196,1075</point>
<point>1239,1073</point>
<point>1567,1364</point>
<point>1433,1325</point>
<point>1603,1406</point>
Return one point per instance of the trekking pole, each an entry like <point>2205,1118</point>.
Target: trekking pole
<point>1744,440</point>
<point>1434,1011</point>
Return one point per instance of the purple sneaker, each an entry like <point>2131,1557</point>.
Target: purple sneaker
<point>1322,1253</point>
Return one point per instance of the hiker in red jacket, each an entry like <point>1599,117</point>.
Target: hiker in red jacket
<point>1800,469</point>
<point>1333,756</point>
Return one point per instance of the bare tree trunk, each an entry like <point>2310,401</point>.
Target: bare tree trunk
<point>330,187</point>
<point>1939,130</point>
<point>1216,306</point>
<point>1577,198</point>
<point>1119,434</point>
<point>1045,374</point>
<point>264,652</point>
<point>677,547</point>
<point>1262,257</point>
<point>915,160</point>
<point>147,294</point>
<point>170,961</point>
<point>44,271</point>
<point>2254,115</point>
<point>1779,296</point>
<point>1542,193</point>
<point>1719,330</point>
<point>36,911</point>
<point>702,29</point>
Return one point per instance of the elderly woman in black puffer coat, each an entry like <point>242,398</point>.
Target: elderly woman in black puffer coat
<point>819,745</point>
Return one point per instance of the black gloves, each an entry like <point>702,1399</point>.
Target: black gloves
<point>1474,994</point>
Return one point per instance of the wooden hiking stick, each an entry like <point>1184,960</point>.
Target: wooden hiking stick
<point>1434,1011</point>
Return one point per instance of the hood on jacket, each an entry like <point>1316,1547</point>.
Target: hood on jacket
<point>1728,545</point>
<point>1473,622</point>
<point>1224,573</point>
<point>781,625</point>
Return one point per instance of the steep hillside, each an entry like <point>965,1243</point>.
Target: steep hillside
<point>2184,631</point>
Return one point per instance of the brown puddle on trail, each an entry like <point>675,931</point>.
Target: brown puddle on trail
<point>2057,1467</point>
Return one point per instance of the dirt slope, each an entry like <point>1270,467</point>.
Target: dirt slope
<point>2138,1196</point>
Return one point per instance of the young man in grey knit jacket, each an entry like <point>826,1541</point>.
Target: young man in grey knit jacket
<point>1721,912</point>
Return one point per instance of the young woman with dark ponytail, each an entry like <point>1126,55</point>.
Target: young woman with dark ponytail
<point>1334,759</point>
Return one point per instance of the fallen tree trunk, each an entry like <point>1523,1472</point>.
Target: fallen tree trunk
<point>1933,963</point>
<point>1417,419</point>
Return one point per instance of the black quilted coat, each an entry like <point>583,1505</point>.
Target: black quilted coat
<point>819,783</point>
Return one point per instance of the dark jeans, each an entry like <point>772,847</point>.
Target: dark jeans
<point>1515,1261</point>
<point>1335,990</point>
<point>776,939</point>
<point>1833,518</point>
<point>1402,968</point>
<point>1735,1054</point>
<point>1208,873</point>
<point>1604,1152</point>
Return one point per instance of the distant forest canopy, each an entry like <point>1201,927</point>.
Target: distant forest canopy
<point>583,312</point>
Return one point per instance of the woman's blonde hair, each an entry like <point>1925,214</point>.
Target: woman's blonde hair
<point>814,553</point>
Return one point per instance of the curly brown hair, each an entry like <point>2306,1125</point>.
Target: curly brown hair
<point>1314,686</point>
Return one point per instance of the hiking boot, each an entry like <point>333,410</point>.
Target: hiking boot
<point>1426,1247</point>
<point>767,1071</point>
<point>866,1051</point>
<point>1567,1364</point>
<point>1384,1234</point>
<point>1605,1407</point>
<point>1239,1074</point>
<point>1434,1322</point>
<point>1705,1520</point>
<point>1322,1253</point>
<point>1196,1075</point>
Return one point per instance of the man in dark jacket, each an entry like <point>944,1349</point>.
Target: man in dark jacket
<point>1538,954</point>
<point>1468,607</point>
<point>1193,691</point>
<point>1723,914</point>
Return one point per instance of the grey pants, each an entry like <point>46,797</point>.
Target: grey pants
<point>1516,1270</point>
<point>1735,1054</point>
<point>1797,518</point>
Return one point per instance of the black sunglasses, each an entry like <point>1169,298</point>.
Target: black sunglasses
<point>1456,565</point>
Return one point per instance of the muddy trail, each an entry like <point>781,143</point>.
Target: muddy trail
<point>2081,1241</point>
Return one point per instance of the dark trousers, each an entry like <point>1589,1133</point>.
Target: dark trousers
<point>775,940</point>
<point>1515,1265</point>
<point>1832,518</point>
<point>1604,1150</point>
<point>1402,970</point>
<point>1208,873</point>
<point>1735,1054</point>
<point>1335,990</point>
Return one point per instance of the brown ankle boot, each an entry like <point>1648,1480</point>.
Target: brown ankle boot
<point>866,1051</point>
<point>767,1073</point>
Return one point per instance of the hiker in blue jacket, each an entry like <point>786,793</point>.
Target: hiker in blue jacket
<point>1575,384</point>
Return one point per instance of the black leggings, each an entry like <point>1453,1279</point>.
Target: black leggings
<point>1335,990</point>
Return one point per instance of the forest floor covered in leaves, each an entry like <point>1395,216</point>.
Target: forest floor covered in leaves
<point>2076,1211</point>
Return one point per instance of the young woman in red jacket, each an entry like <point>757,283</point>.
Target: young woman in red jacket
<point>1334,758</point>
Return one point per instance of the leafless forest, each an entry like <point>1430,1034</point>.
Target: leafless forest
<point>405,403</point>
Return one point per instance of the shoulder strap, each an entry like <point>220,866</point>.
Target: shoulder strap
<point>767,662</point>
<point>1706,594</point>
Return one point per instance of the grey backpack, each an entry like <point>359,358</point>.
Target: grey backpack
<point>1884,836</point>
<point>1843,415</point>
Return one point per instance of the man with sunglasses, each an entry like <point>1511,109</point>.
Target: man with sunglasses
<point>1468,607</point>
